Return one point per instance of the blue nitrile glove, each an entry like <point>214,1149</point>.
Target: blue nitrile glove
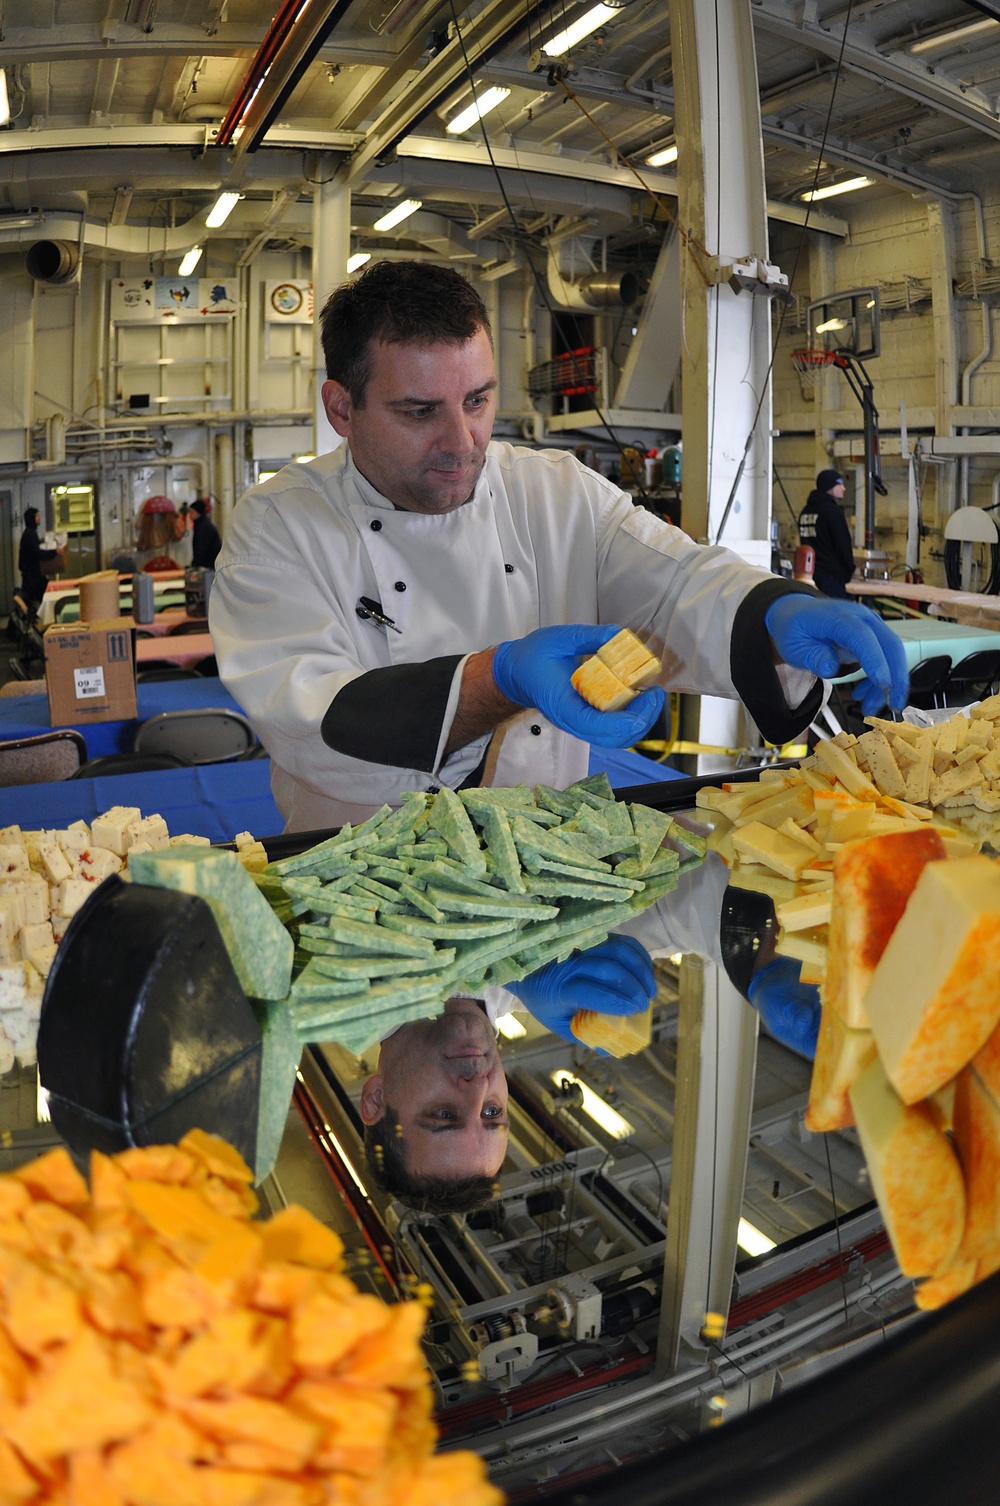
<point>788,1008</point>
<point>535,671</point>
<point>615,977</point>
<point>809,630</point>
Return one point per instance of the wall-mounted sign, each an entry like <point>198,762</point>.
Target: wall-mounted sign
<point>188,300</point>
<point>289,301</point>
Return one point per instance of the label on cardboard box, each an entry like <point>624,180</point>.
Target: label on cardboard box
<point>89,681</point>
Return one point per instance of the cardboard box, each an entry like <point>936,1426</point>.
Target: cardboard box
<point>99,601</point>
<point>90,672</point>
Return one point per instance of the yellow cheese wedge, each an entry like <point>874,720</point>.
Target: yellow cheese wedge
<point>835,761</point>
<point>629,658</point>
<point>617,1034</point>
<point>937,1290</point>
<point>977,1140</point>
<point>915,1174</point>
<point>805,911</point>
<point>806,946</point>
<point>760,844</point>
<point>934,997</point>
<point>600,686</point>
<point>941,1107</point>
<point>881,764</point>
<point>841,1057</point>
<point>872,882</point>
<point>774,808</point>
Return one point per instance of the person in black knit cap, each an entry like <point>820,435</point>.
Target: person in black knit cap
<point>205,540</point>
<point>823,525</point>
<point>30,556</point>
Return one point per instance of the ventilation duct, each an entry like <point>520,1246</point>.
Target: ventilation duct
<point>52,261</point>
<point>598,290</point>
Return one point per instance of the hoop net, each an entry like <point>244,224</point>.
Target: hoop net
<point>808,363</point>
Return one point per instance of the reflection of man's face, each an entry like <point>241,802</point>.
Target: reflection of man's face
<point>444,1080</point>
<point>421,433</point>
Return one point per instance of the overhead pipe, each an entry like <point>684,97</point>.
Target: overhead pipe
<point>985,353</point>
<point>597,290</point>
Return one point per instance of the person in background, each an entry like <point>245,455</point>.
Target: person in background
<point>30,558</point>
<point>205,540</point>
<point>823,525</point>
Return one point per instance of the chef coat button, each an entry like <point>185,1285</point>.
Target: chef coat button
<point>400,585</point>
<point>376,526</point>
<point>509,569</point>
<point>536,729</point>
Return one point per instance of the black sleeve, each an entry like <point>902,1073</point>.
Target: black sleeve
<point>751,665</point>
<point>834,538</point>
<point>393,716</point>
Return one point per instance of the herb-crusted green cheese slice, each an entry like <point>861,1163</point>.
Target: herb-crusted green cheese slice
<point>650,828</point>
<point>500,845</point>
<point>383,967</point>
<point>504,906</point>
<point>451,819</point>
<point>411,925</point>
<point>260,948</point>
<point>379,939</point>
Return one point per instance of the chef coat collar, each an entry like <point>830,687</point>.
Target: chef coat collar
<point>374,498</point>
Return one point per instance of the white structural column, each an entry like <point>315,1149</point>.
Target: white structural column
<point>727,334</point>
<point>330,250</point>
<point>713,1103</point>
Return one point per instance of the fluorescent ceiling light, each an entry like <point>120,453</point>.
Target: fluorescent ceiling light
<point>752,1240</point>
<point>221,210</point>
<point>397,214</point>
<point>488,100</point>
<point>661,159</point>
<point>510,1027</point>
<point>829,324</point>
<point>588,22</point>
<point>4,99</point>
<point>265,475</point>
<point>303,459</point>
<point>190,261</point>
<point>849,185</point>
<point>602,1113</point>
<point>358,260</point>
<point>957,34</point>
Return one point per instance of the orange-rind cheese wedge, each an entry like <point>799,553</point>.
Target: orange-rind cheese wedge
<point>616,673</point>
<point>617,1034</point>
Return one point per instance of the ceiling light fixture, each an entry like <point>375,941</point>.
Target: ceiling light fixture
<point>487,101</point>
<point>849,185</point>
<point>510,1027</point>
<point>661,159</point>
<point>397,214</point>
<point>752,1240</point>
<point>190,261</point>
<point>221,210</point>
<point>958,34</point>
<point>830,324</point>
<point>358,260</point>
<point>594,1106</point>
<point>4,99</point>
<point>588,22</point>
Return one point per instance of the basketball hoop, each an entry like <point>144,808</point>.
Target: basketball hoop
<point>808,363</point>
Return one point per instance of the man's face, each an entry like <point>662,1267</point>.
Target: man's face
<point>838,491</point>
<point>421,433</point>
<point>444,1079</point>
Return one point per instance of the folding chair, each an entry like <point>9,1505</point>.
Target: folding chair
<point>129,763</point>
<point>206,735</point>
<point>973,678</point>
<point>927,680</point>
<point>22,687</point>
<point>42,759</point>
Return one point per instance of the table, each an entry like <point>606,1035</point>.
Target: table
<point>169,618</point>
<point>68,608</point>
<point>28,715</point>
<point>167,590</point>
<point>69,581</point>
<point>186,649</point>
<point>925,637</point>
<point>947,601</point>
<point>211,800</point>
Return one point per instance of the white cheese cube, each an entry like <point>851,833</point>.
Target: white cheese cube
<point>186,840</point>
<point>111,829</point>
<point>74,840</point>
<point>13,859</point>
<point>42,956</point>
<point>55,864</point>
<point>13,988</point>
<point>97,863</point>
<point>6,1055</point>
<point>60,923</point>
<point>34,895</point>
<point>33,937</point>
<point>151,829</point>
<point>74,893</point>
<point>11,834</point>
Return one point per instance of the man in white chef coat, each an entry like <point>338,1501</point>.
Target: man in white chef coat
<point>360,599</point>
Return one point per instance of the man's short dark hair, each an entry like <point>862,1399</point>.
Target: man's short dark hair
<point>384,1152</point>
<point>398,303</point>
<point>200,506</point>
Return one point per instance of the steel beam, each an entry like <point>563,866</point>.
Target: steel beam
<point>919,81</point>
<point>476,41</point>
<point>713,1107</point>
<point>87,42</point>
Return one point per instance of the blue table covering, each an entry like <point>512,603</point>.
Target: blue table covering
<point>216,800</point>
<point>28,715</point>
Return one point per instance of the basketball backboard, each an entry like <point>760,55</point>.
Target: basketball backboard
<point>846,322</point>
